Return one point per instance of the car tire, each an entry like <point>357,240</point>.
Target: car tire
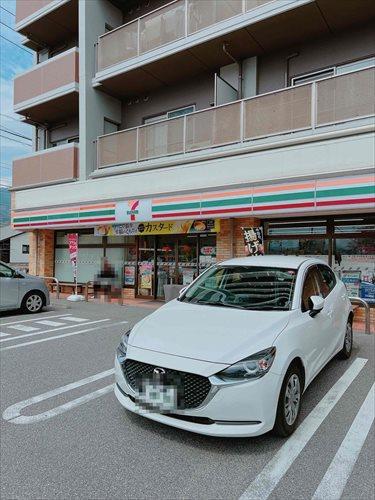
<point>289,404</point>
<point>33,302</point>
<point>347,347</point>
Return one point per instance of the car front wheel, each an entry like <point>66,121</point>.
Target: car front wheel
<point>289,405</point>
<point>348,342</point>
<point>32,302</point>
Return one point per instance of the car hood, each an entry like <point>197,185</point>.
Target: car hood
<point>207,333</point>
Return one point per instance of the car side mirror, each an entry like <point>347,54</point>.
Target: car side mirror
<point>316,304</point>
<point>182,290</point>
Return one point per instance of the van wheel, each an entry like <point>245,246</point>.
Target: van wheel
<point>289,405</point>
<point>346,350</point>
<point>32,302</point>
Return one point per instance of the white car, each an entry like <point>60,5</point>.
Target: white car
<point>234,353</point>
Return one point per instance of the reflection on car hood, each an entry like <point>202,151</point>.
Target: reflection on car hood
<point>215,334</point>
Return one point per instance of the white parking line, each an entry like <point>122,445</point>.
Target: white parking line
<point>76,320</point>
<point>13,413</point>
<point>33,319</point>
<point>333,483</point>
<point>2,334</point>
<point>53,330</point>
<point>61,336</point>
<point>266,481</point>
<point>49,323</point>
<point>24,328</point>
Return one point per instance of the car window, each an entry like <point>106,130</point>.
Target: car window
<point>310,287</point>
<point>5,272</point>
<point>244,287</point>
<point>327,280</point>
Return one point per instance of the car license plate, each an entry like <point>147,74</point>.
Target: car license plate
<point>157,396</point>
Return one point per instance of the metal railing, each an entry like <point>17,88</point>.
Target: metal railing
<point>304,107</point>
<point>166,24</point>
<point>363,303</point>
<point>57,284</point>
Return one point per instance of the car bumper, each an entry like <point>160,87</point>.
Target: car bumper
<point>234,410</point>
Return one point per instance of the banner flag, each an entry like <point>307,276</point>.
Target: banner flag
<point>253,237</point>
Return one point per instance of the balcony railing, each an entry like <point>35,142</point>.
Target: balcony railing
<point>26,8</point>
<point>49,166</point>
<point>46,77</point>
<point>164,25</point>
<point>328,101</point>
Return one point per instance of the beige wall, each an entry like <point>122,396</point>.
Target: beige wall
<point>65,130</point>
<point>313,56</point>
<point>198,91</point>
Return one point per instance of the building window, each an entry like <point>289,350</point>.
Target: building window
<point>170,114</point>
<point>110,126</point>
<point>25,248</point>
<point>312,77</point>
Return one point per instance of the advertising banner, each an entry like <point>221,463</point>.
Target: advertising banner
<point>352,281</point>
<point>160,227</point>
<point>129,275</point>
<point>73,252</point>
<point>253,237</point>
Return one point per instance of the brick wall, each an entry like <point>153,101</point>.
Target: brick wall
<point>230,242</point>
<point>41,252</point>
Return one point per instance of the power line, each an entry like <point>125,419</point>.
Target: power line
<point>9,27</point>
<point>19,46</point>
<point>15,140</point>
<point>15,119</point>
<point>8,131</point>
<point>9,12</point>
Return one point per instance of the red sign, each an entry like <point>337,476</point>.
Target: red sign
<point>73,251</point>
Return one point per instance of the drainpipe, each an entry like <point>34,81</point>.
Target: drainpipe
<point>291,56</point>
<point>240,76</point>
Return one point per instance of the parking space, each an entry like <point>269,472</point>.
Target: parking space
<point>64,433</point>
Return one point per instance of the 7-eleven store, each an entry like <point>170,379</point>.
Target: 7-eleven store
<point>152,242</point>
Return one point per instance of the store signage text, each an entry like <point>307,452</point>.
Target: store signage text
<point>162,227</point>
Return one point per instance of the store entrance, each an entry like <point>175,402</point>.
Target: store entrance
<point>171,260</point>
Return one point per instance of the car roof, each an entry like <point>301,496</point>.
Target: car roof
<point>284,261</point>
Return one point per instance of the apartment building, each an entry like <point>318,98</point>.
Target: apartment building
<point>163,128</point>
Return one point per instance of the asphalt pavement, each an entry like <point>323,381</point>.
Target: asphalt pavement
<point>64,435</point>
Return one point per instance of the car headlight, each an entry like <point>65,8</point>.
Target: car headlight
<point>123,347</point>
<point>250,368</point>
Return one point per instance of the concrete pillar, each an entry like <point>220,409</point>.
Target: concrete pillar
<point>94,105</point>
<point>42,252</point>
<point>230,242</point>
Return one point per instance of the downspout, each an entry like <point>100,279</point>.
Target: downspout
<point>240,76</point>
<point>291,56</point>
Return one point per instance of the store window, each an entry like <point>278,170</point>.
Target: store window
<point>346,243</point>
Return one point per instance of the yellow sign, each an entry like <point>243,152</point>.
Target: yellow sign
<point>159,227</point>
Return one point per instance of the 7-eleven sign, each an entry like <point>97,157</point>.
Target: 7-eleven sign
<point>133,210</point>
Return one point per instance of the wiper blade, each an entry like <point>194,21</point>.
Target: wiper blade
<point>219,304</point>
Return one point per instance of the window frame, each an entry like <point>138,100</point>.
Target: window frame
<point>9,268</point>
<point>323,266</point>
<point>312,268</point>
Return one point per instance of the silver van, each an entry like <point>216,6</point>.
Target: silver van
<point>21,291</point>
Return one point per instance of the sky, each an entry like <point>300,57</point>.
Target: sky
<point>13,59</point>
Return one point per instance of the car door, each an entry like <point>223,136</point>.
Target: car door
<point>315,330</point>
<point>8,288</point>
<point>335,305</point>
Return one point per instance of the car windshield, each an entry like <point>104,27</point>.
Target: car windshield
<point>244,287</point>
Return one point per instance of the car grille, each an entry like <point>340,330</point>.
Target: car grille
<point>195,387</point>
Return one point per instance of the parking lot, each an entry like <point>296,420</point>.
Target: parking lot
<point>64,435</point>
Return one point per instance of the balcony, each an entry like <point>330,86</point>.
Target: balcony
<point>143,54</point>
<point>49,91</point>
<point>50,166</point>
<point>46,22</point>
<point>308,108</point>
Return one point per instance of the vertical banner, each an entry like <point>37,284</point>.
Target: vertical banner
<point>73,253</point>
<point>253,237</point>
